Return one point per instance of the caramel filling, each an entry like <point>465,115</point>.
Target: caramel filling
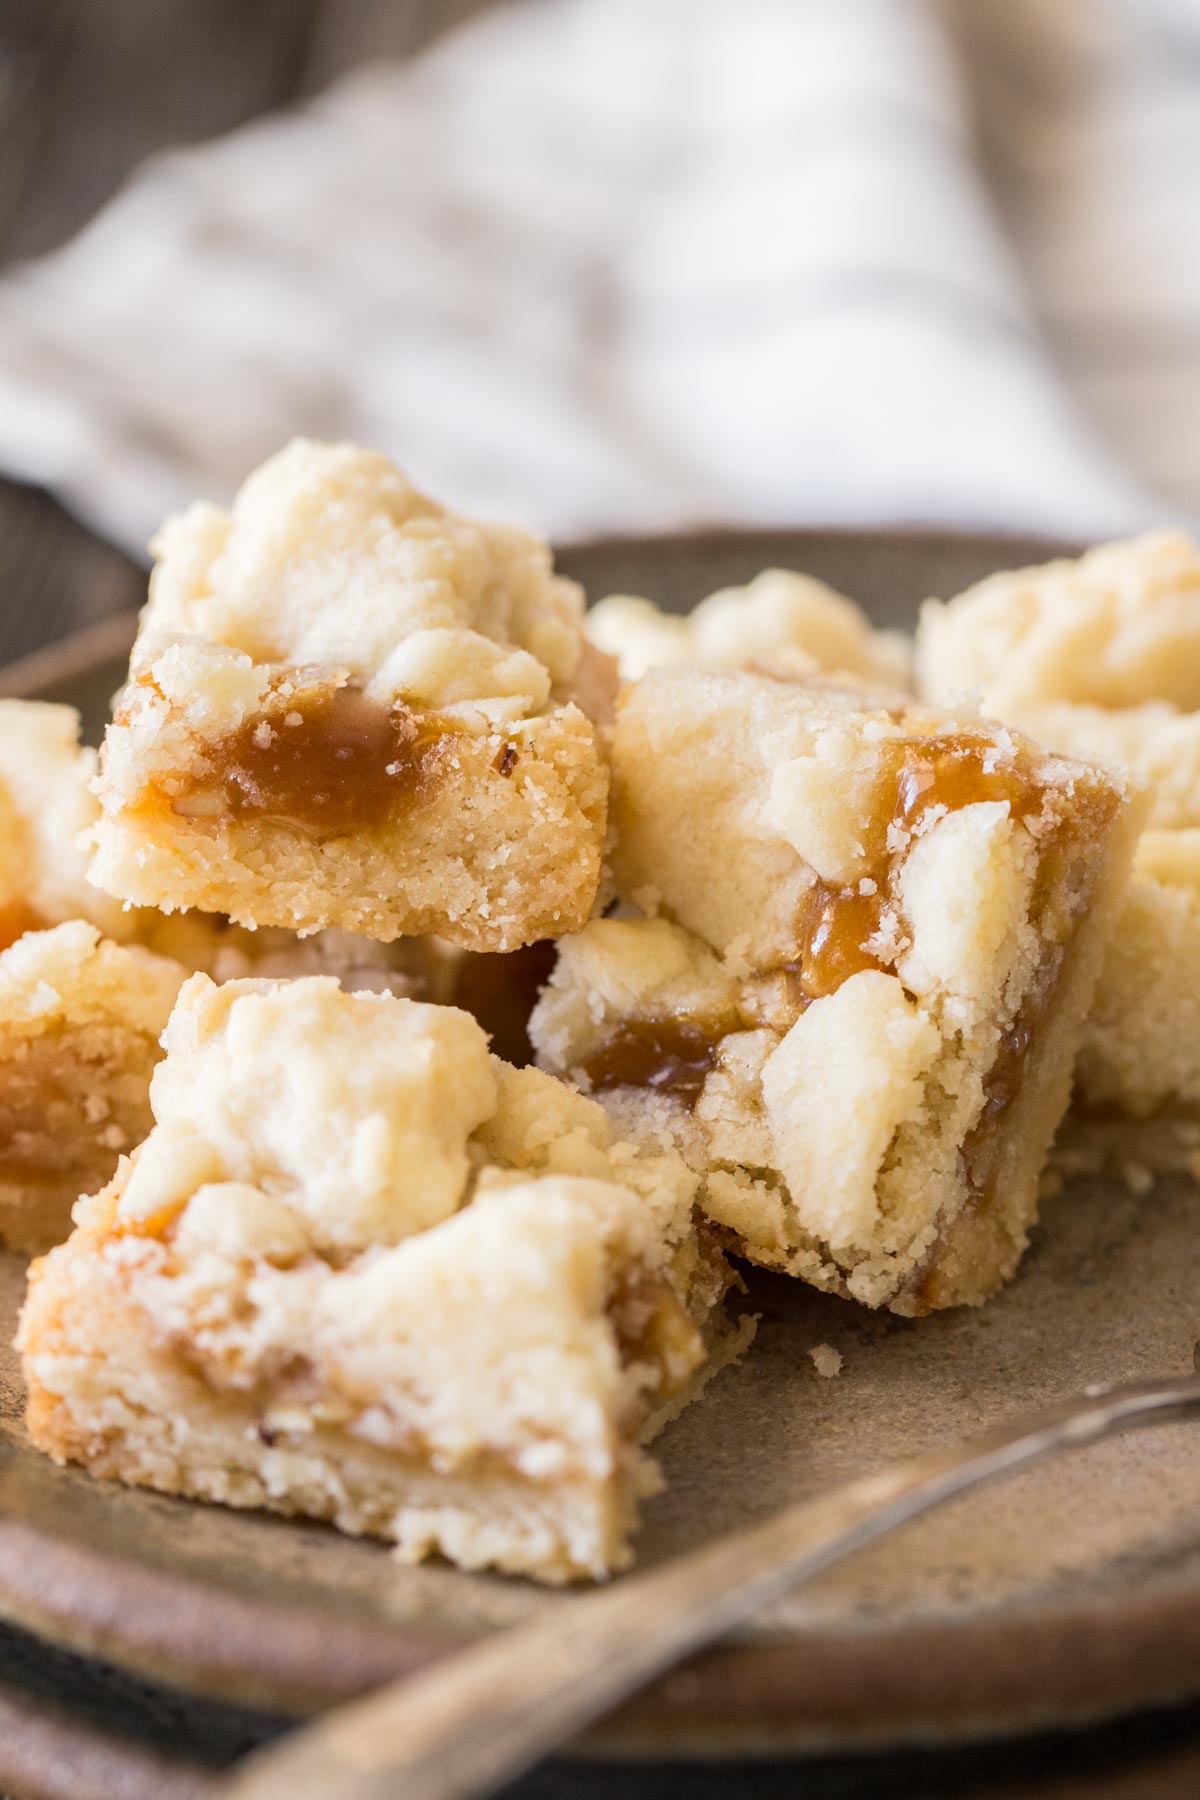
<point>331,762</point>
<point>671,1056</point>
<point>836,925</point>
<point>15,920</point>
<point>956,770</point>
<point>337,764</point>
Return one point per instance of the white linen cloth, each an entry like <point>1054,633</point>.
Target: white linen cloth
<point>631,264</point>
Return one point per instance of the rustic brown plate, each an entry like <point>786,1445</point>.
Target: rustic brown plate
<point>1071,1592</point>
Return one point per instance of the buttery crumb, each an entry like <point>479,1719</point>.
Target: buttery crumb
<point>826,1360</point>
<point>1137,1178</point>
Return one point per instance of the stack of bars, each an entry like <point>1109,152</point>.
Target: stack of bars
<point>794,936</point>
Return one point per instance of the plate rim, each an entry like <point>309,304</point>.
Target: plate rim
<point>1027,1667</point>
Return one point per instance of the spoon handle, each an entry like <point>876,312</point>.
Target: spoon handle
<point>478,1718</point>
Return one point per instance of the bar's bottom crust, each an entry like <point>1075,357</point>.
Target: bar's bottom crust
<point>152,1424</point>
<point>152,1428</point>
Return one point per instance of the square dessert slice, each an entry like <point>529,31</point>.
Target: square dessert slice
<point>349,708</point>
<point>80,1020</point>
<point>362,1271</point>
<point>778,614</point>
<point>1098,657</point>
<point>46,809</point>
<point>892,925</point>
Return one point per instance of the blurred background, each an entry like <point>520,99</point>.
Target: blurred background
<point>604,265</point>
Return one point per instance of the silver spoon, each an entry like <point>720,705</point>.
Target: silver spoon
<point>479,1718</point>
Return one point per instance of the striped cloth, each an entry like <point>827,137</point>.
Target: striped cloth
<point>631,264</point>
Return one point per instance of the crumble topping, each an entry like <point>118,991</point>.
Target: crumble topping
<point>363,1104</point>
<point>1117,627</point>
<point>329,557</point>
<point>1096,657</point>
<point>779,612</point>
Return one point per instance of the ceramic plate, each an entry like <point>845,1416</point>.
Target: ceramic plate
<point>1069,1592</point>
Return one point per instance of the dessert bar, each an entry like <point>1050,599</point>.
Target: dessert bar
<point>363,1271</point>
<point>880,932</point>
<point>1101,657</point>
<point>347,707</point>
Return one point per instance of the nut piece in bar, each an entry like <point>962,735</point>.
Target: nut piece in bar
<point>363,1271</point>
<point>347,707</point>
<point>80,1020</point>
<point>879,935</point>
